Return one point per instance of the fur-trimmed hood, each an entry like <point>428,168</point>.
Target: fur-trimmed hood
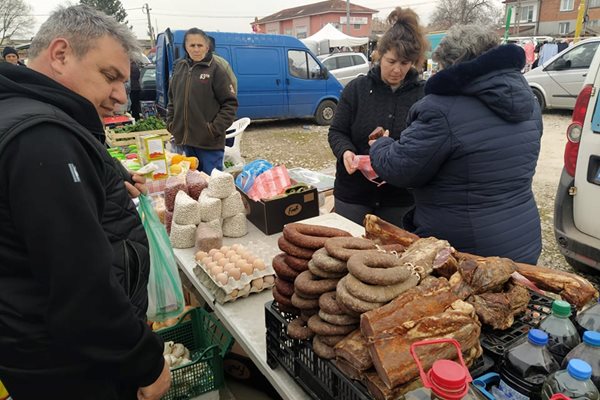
<point>494,78</point>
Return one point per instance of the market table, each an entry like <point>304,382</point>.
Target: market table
<point>245,318</point>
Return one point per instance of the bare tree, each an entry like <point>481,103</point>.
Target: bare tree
<point>15,19</point>
<point>452,12</point>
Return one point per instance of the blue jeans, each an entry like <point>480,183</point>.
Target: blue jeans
<point>209,159</point>
<point>356,212</point>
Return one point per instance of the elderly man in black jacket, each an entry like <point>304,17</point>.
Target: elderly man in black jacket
<point>73,253</point>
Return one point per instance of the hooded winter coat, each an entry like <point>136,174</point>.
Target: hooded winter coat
<point>469,154</point>
<point>74,257</point>
<point>366,103</point>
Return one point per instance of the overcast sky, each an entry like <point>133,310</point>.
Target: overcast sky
<point>221,15</point>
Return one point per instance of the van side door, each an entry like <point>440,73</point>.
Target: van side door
<point>568,73</point>
<point>164,68</point>
<point>261,86</point>
<point>306,83</point>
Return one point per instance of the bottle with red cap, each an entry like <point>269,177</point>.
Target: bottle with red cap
<point>446,380</point>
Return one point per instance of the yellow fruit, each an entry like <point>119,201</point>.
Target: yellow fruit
<point>177,158</point>
<point>175,169</point>
<point>193,162</point>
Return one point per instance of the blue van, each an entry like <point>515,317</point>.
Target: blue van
<point>278,77</point>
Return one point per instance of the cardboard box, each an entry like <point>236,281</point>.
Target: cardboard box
<point>150,147</point>
<point>271,215</point>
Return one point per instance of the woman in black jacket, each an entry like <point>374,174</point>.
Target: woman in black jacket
<point>379,101</point>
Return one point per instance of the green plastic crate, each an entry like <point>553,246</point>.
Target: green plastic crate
<point>208,342</point>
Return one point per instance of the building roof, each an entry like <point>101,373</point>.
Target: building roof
<point>322,7</point>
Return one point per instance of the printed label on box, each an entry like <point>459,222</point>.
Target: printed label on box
<point>293,209</point>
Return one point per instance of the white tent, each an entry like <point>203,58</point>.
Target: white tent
<point>335,38</point>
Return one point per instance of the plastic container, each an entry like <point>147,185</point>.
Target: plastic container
<point>573,382</point>
<point>588,351</point>
<point>208,342</point>
<point>589,319</point>
<point>562,334</point>
<point>447,379</point>
<point>525,366</point>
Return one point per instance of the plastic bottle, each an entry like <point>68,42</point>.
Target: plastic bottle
<point>588,351</point>
<point>525,366</point>
<point>573,382</point>
<point>562,334</point>
<point>589,319</point>
<point>446,380</point>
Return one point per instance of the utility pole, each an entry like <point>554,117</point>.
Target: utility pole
<point>147,9</point>
<point>347,17</point>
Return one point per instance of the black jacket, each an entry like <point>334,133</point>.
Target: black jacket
<point>470,154</point>
<point>202,103</point>
<point>73,253</point>
<point>366,103</point>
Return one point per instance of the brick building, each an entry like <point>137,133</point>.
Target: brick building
<point>551,17</point>
<point>304,21</point>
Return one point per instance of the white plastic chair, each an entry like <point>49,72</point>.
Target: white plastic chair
<point>234,132</point>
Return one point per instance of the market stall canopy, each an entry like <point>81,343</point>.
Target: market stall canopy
<point>335,37</point>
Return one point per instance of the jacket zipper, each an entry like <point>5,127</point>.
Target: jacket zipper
<point>186,102</point>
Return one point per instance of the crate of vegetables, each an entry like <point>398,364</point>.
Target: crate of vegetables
<point>128,134</point>
<point>205,342</point>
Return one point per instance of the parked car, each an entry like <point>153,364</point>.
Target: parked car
<point>278,77</point>
<point>558,81</point>
<point>148,82</point>
<point>345,66</point>
<point>577,211</point>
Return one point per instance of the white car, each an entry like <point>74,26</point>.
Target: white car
<point>558,81</point>
<point>345,66</point>
<point>576,208</point>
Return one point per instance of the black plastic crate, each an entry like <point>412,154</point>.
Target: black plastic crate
<point>281,349</point>
<point>495,342</point>
<point>324,381</point>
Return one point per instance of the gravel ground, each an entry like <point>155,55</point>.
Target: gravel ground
<point>300,143</point>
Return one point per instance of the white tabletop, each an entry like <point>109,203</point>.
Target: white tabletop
<point>245,318</point>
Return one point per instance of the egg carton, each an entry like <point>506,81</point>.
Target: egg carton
<point>212,272</point>
<point>224,294</point>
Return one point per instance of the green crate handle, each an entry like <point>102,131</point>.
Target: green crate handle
<point>229,340</point>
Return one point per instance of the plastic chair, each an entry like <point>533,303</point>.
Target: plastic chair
<point>233,153</point>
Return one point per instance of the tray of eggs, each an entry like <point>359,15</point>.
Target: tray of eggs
<point>236,270</point>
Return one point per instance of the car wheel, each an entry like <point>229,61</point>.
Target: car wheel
<point>325,112</point>
<point>581,267</point>
<point>540,98</point>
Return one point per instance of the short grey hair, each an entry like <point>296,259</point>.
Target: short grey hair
<point>82,25</point>
<point>463,43</point>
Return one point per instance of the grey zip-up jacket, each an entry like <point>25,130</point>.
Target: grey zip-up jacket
<point>202,104</point>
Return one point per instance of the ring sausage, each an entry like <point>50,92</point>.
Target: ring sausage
<point>284,287</point>
<point>310,236</point>
<point>324,274</point>
<point>294,250</point>
<point>377,268</point>
<point>329,304</point>
<point>344,247</point>
<point>280,299</point>
<point>322,350</point>
<point>338,319</point>
<point>303,303</point>
<point>308,283</point>
<point>353,303</point>
<point>324,261</point>
<point>282,270</point>
<point>332,340</point>
<point>298,329</point>
<point>320,327</point>
<point>379,294</point>
<point>296,263</point>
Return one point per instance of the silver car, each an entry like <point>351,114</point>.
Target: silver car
<point>345,66</point>
<point>558,81</point>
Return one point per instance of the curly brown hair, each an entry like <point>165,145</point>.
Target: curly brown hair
<point>405,36</point>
